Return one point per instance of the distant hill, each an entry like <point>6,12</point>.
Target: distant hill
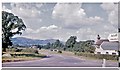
<point>26,41</point>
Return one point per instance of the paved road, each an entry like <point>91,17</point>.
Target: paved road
<point>57,60</point>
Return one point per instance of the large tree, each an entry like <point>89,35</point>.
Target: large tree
<point>57,45</point>
<point>87,46</point>
<point>11,25</point>
<point>70,42</point>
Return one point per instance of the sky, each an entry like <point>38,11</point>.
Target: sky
<point>62,20</point>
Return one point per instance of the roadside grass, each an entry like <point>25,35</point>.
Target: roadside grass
<point>68,53</point>
<point>55,52</point>
<point>97,56</point>
<point>21,56</point>
<point>17,59</point>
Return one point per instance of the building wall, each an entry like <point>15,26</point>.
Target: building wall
<point>110,52</point>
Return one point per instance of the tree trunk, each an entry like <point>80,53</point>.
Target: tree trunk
<point>4,46</point>
<point>4,49</point>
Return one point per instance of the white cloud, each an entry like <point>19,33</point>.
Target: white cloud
<point>112,10</point>
<point>29,30</point>
<point>49,27</point>
<point>5,9</point>
<point>86,30</point>
<point>87,27</point>
<point>42,29</point>
<point>65,17</point>
<point>45,32</point>
<point>25,10</point>
<point>86,33</point>
<point>73,15</point>
<point>108,7</point>
<point>66,11</point>
<point>109,28</point>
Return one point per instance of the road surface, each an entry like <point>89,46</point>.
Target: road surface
<point>58,60</point>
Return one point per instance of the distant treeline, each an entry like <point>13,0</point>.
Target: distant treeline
<point>71,45</point>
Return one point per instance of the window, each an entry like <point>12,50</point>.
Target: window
<point>107,52</point>
<point>98,52</point>
<point>98,46</point>
<point>113,53</point>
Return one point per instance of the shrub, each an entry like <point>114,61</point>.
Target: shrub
<point>18,50</point>
<point>51,50</point>
<point>30,50</point>
<point>59,51</point>
<point>13,50</point>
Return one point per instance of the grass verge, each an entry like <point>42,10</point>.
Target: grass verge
<point>21,56</point>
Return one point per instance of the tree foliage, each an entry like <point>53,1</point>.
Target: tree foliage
<point>11,25</point>
<point>56,45</point>
<point>87,46</point>
<point>47,46</point>
<point>82,46</point>
<point>70,42</point>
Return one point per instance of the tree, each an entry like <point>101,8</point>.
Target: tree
<point>57,45</point>
<point>11,25</point>
<point>71,41</point>
<point>47,46</point>
<point>90,42</point>
<point>87,46</point>
<point>77,47</point>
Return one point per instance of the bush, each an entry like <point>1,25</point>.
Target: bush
<point>98,56</point>
<point>13,50</point>
<point>59,51</point>
<point>30,50</point>
<point>19,50</point>
<point>51,50</point>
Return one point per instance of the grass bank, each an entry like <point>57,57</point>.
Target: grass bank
<point>97,56</point>
<point>21,56</point>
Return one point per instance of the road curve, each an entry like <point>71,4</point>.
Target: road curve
<point>57,60</point>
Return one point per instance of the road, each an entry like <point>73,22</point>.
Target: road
<point>58,60</point>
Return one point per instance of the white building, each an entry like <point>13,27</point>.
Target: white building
<point>108,46</point>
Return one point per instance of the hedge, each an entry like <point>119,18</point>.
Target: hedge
<point>97,56</point>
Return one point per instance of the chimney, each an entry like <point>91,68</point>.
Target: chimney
<point>98,37</point>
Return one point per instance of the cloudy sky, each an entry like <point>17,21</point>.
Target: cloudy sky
<point>62,20</point>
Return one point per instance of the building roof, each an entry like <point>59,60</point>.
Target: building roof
<point>99,42</point>
<point>110,45</point>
